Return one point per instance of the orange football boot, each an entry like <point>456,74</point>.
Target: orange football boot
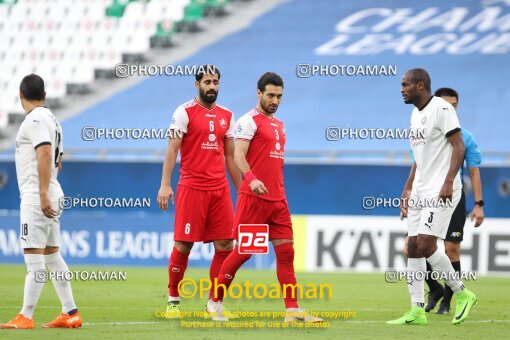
<point>65,321</point>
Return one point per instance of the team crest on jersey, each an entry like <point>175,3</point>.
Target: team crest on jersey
<point>223,123</point>
<point>277,146</point>
<point>212,137</point>
<point>423,120</point>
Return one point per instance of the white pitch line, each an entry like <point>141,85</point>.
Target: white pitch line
<point>124,323</point>
<point>435,321</point>
<point>346,321</point>
<point>92,307</point>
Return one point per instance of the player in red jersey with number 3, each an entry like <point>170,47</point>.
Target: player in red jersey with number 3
<point>259,151</point>
<point>203,209</point>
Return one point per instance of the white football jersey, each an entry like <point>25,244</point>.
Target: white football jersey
<point>39,127</point>
<point>432,151</point>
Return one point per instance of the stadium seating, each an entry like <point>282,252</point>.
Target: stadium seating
<point>70,42</point>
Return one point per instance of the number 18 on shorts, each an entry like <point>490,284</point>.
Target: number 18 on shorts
<point>253,239</point>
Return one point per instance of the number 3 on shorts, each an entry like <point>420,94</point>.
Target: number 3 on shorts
<point>187,228</point>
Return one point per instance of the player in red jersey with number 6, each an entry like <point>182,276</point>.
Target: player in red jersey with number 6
<point>259,152</point>
<point>204,133</point>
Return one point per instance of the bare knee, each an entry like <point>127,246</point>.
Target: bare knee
<point>277,242</point>
<point>427,245</point>
<point>223,245</point>
<point>51,250</point>
<point>452,250</point>
<point>412,247</point>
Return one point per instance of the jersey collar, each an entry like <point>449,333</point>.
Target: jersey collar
<point>35,108</point>
<point>425,105</point>
<point>196,101</point>
<point>262,113</point>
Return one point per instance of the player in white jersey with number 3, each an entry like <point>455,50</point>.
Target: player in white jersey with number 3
<point>438,151</point>
<point>39,151</point>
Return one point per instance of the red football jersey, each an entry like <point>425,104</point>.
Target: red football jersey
<point>265,153</point>
<point>202,155</point>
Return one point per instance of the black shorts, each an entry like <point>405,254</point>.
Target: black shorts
<point>455,231</point>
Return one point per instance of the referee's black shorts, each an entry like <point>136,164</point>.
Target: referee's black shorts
<point>456,228</point>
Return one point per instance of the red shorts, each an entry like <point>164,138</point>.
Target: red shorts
<point>203,215</point>
<point>254,210</point>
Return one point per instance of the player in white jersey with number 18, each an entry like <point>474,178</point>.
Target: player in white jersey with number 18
<point>38,161</point>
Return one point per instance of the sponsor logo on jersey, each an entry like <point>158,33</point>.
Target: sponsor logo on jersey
<point>209,146</point>
<point>223,123</point>
<point>276,154</point>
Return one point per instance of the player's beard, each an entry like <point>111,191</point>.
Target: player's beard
<point>412,98</point>
<point>208,97</point>
<point>270,109</point>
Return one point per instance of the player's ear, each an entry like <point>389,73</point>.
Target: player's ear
<point>197,84</point>
<point>259,93</point>
<point>420,86</point>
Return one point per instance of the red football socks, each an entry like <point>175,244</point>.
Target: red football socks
<point>176,269</point>
<point>228,270</point>
<point>285,273</point>
<point>214,270</point>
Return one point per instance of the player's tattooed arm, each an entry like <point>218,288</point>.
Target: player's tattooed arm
<point>407,192</point>
<point>455,163</point>
<point>240,152</point>
<point>44,167</point>
<point>165,191</point>
<point>235,175</point>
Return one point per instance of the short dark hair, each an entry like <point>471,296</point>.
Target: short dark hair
<point>447,92</point>
<point>206,69</point>
<point>419,74</point>
<point>269,78</point>
<point>32,87</point>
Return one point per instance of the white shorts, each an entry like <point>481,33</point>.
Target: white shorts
<point>430,220</point>
<point>37,230</point>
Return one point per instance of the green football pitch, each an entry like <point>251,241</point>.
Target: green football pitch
<point>127,309</point>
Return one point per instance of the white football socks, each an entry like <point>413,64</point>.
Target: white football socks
<point>440,262</point>
<point>56,263</point>
<point>33,288</point>
<point>415,280</point>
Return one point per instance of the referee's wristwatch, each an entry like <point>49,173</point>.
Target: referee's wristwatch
<point>480,203</point>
